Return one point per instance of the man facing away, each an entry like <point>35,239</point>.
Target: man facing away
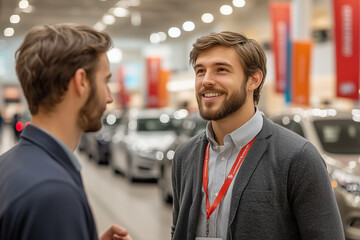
<point>245,177</point>
<point>64,71</point>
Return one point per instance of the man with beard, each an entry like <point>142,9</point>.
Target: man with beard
<point>64,71</point>
<point>246,177</point>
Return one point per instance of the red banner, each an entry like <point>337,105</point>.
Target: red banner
<point>301,72</point>
<point>153,66</point>
<point>347,41</point>
<point>280,16</point>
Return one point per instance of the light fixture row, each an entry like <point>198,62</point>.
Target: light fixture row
<point>188,26</point>
<point>24,6</point>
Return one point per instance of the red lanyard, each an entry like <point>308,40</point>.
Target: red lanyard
<point>230,177</point>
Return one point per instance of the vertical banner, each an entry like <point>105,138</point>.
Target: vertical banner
<point>347,41</point>
<point>122,97</point>
<point>280,16</point>
<point>163,92</point>
<point>301,72</point>
<point>153,66</point>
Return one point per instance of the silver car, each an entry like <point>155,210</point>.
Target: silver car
<point>336,134</point>
<point>139,141</point>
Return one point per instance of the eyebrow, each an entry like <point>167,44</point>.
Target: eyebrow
<point>216,64</point>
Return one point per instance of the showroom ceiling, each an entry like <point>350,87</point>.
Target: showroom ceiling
<point>143,17</point>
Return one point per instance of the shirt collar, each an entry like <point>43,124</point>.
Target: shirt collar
<point>67,150</point>
<point>241,136</point>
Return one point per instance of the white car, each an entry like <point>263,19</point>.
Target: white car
<point>139,141</point>
<point>336,134</point>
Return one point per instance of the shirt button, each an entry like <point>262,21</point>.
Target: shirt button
<point>223,158</point>
<point>216,147</point>
<point>216,194</point>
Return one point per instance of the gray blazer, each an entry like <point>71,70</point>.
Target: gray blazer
<point>282,190</point>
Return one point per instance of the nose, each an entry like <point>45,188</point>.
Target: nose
<point>208,79</point>
<point>109,98</point>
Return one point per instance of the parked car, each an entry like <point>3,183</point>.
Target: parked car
<point>97,145</point>
<point>140,139</point>
<point>336,135</point>
<point>192,125</point>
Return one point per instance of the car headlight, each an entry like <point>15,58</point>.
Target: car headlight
<point>347,181</point>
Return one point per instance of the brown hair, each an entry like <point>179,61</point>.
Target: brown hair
<point>252,56</point>
<point>49,57</point>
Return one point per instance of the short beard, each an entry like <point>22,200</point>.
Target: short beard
<point>90,114</point>
<point>230,105</point>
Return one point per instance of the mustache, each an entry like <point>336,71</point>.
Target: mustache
<point>212,89</point>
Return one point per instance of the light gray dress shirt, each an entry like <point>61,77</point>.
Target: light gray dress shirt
<point>68,151</point>
<point>221,160</point>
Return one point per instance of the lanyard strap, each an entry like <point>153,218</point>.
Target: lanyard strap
<point>229,178</point>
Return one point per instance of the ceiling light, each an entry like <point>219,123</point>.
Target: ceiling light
<point>29,9</point>
<point>120,12</point>
<point>135,3</point>
<point>188,26</point>
<point>23,4</point>
<point>174,32</point>
<point>8,32</point>
<point>226,10</point>
<point>207,18</point>
<point>100,26</point>
<point>135,18</point>
<point>115,55</point>
<point>108,19</point>
<point>238,3</point>
<point>15,18</point>
<point>155,38</point>
<point>162,36</point>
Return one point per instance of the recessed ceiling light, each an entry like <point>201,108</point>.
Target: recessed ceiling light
<point>23,4</point>
<point>174,32</point>
<point>162,36</point>
<point>226,10</point>
<point>207,18</point>
<point>155,38</point>
<point>120,12</point>
<point>15,18</point>
<point>108,19</point>
<point>238,3</point>
<point>8,32</point>
<point>135,18</point>
<point>188,26</point>
<point>115,55</point>
<point>100,26</point>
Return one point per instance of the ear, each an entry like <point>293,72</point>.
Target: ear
<point>80,82</point>
<point>255,81</point>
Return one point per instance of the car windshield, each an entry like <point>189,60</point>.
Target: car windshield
<point>339,136</point>
<point>157,124</point>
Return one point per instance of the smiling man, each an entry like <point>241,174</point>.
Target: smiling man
<point>245,177</point>
<point>64,73</point>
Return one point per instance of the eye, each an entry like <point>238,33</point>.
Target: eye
<point>200,71</point>
<point>222,70</point>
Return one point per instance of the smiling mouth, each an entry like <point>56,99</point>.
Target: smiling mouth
<point>210,95</point>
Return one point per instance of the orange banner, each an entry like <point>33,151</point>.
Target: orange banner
<point>301,72</point>
<point>163,92</point>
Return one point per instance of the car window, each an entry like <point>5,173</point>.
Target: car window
<point>155,124</point>
<point>339,136</point>
<point>290,124</point>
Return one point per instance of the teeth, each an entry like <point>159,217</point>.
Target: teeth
<point>211,94</point>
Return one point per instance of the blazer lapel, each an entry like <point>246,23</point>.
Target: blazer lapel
<point>196,157</point>
<point>251,160</point>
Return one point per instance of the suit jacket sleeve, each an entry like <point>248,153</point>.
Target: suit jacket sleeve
<point>53,210</point>
<point>312,197</point>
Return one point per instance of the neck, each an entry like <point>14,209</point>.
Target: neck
<point>60,125</point>
<point>232,122</point>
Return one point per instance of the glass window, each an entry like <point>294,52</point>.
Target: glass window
<point>339,136</point>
